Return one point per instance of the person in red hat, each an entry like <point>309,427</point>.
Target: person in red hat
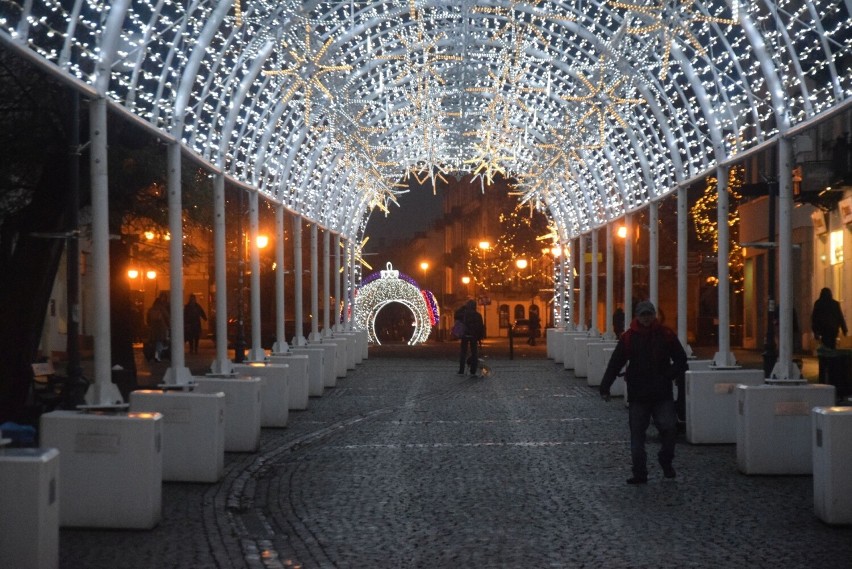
<point>654,358</point>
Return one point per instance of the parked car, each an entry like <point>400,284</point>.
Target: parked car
<point>521,328</point>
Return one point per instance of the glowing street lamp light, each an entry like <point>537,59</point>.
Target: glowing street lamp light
<point>424,266</point>
<point>132,274</point>
<point>484,245</point>
<point>521,263</point>
<point>262,241</point>
<point>621,232</point>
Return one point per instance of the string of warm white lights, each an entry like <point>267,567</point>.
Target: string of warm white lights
<point>614,102</point>
<point>388,287</point>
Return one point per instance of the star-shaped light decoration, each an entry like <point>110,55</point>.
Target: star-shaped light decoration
<point>359,254</point>
<point>431,173</point>
<point>420,56</point>
<point>421,50</point>
<point>601,101</point>
<point>489,157</point>
<point>307,73</point>
<point>671,20</point>
<point>518,20</point>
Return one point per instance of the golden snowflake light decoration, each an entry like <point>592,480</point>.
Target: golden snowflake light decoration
<point>307,72</point>
<point>671,20</point>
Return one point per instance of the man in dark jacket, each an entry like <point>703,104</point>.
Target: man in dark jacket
<point>827,319</point>
<point>656,359</point>
<point>474,330</point>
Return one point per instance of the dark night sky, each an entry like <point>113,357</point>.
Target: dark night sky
<point>417,210</point>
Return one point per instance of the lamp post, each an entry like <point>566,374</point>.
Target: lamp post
<point>521,264</point>
<point>484,301</point>
<point>240,340</point>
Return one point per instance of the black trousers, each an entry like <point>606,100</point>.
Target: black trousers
<point>474,354</point>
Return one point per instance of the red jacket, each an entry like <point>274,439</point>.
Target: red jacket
<point>655,359</point>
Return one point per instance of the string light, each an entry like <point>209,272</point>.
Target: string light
<point>388,286</point>
<point>444,87</point>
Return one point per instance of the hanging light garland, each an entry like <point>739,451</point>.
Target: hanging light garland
<point>385,287</point>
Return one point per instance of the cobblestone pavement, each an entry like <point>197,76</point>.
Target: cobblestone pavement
<point>406,464</point>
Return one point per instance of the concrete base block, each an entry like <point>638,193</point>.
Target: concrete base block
<point>700,365</point>
<point>193,432</point>
<point>774,427</point>
<point>274,391</point>
<point>581,354</point>
<point>339,356</point>
<point>365,344</point>
<point>242,408</point>
<point>555,351</point>
<point>355,339</point>
<point>300,388</point>
<point>711,403</point>
<point>331,362</point>
<point>568,348</point>
<point>348,349</point>
<point>112,467</point>
<point>598,359</point>
<point>316,368</point>
<point>832,464</point>
<point>29,508</point>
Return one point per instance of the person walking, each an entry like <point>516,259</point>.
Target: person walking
<point>535,328</point>
<point>655,359</point>
<point>473,332</point>
<point>158,325</point>
<point>193,314</point>
<point>827,319</point>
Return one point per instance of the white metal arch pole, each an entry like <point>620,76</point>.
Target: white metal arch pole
<point>326,283</point>
<point>628,270</point>
<point>298,339</point>
<point>724,357</point>
<point>103,391</point>
<point>784,367</point>
<point>256,352</point>
<point>654,254</point>
<point>222,365</point>
<point>569,310</point>
<point>581,306</point>
<point>594,281</point>
<point>352,260</point>
<point>337,303</point>
<point>561,314</point>
<point>682,275</point>
<point>315,335</point>
<point>610,333</point>
<point>177,374</point>
<point>280,345</point>
<point>345,292</point>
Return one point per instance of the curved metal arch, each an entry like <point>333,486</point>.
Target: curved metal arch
<point>756,75</point>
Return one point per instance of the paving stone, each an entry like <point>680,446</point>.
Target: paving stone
<point>406,464</point>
